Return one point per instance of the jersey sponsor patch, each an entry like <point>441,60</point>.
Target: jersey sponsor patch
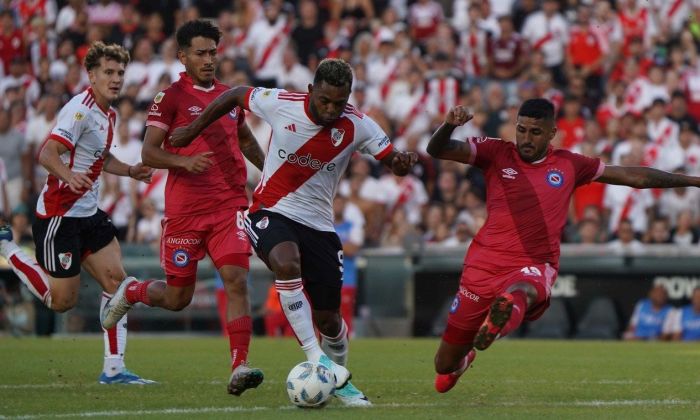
<point>159,97</point>
<point>337,136</point>
<point>262,224</point>
<point>65,133</point>
<point>555,178</point>
<point>181,258</point>
<point>65,259</point>
<point>455,305</point>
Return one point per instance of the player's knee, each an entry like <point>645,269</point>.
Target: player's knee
<point>286,268</point>
<point>64,303</point>
<point>236,284</point>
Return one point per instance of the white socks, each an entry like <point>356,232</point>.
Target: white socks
<point>337,347</point>
<point>115,343</point>
<point>297,309</point>
<point>28,271</point>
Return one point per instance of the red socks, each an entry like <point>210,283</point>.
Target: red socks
<point>239,332</point>
<point>138,292</point>
<point>516,317</point>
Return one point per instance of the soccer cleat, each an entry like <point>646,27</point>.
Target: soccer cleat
<point>126,377</point>
<point>446,382</point>
<point>117,306</point>
<point>498,317</point>
<point>351,396</point>
<point>342,375</point>
<point>244,377</point>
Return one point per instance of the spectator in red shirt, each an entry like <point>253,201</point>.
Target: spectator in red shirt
<point>570,125</point>
<point>507,54</point>
<point>11,41</point>
<point>584,56</point>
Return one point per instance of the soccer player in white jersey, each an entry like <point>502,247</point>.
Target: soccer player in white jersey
<point>290,223</point>
<point>70,231</point>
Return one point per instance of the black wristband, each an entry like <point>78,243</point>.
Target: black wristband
<point>128,171</point>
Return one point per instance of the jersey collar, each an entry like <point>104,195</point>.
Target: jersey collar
<point>307,110</point>
<point>186,78</point>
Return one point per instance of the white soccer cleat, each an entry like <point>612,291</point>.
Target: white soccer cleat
<point>342,375</point>
<point>116,306</point>
<point>352,397</point>
<point>244,377</point>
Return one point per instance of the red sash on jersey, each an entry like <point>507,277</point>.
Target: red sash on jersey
<point>155,180</point>
<point>540,42</point>
<point>404,195</point>
<point>113,205</point>
<point>674,8</point>
<point>274,42</point>
<point>418,107</point>
<point>661,139</point>
<point>631,199</point>
<point>384,90</point>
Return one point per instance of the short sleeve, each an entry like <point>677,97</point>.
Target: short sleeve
<point>372,140</point>
<point>263,102</point>
<point>587,169</point>
<point>484,150</point>
<point>634,320</point>
<point>70,124</point>
<point>162,110</point>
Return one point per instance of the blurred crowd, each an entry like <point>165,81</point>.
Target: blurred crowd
<point>624,76</point>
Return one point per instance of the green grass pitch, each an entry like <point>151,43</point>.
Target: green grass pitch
<point>56,378</point>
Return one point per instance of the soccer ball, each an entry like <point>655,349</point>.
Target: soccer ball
<point>310,385</point>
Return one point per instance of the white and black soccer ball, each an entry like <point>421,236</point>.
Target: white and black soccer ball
<point>310,385</point>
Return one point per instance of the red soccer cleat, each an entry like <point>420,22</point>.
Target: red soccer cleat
<point>444,383</point>
<point>498,317</point>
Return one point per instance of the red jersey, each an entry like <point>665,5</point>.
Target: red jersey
<point>11,46</point>
<point>584,48</point>
<point>571,130</point>
<point>222,186</point>
<point>527,204</point>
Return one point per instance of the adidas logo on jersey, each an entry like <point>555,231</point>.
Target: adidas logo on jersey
<point>291,127</point>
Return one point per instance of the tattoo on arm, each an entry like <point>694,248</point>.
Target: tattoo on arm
<point>252,151</point>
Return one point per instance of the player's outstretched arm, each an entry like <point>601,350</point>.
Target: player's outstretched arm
<point>50,159</point>
<point>153,155</point>
<point>222,105</point>
<point>250,147</point>
<point>139,172</point>
<point>441,146</point>
<point>641,177</point>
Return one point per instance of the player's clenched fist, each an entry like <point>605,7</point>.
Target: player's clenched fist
<point>403,162</point>
<point>458,115</point>
<point>141,172</point>
<point>79,182</point>
<point>198,163</point>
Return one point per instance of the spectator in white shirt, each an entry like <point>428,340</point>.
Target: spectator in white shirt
<point>626,244</point>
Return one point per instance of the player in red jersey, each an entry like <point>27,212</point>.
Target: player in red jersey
<point>512,263</point>
<point>205,199</point>
<point>290,225</point>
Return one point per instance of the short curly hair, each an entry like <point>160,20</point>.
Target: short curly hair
<point>335,72</point>
<point>111,52</point>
